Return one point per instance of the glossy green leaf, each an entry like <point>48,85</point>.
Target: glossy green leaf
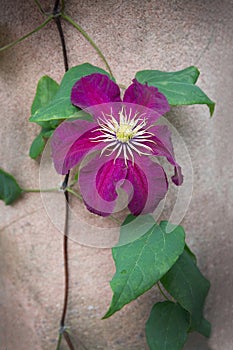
<point>45,92</point>
<point>141,263</point>
<point>167,326</point>
<point>37,146</point>
<point>178,86</point>
<point>188,286</point>
<point>9,188</point>
<point>187,75</point>
<point>60,107</point>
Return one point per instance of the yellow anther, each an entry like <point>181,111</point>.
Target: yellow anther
<point>124,133</point>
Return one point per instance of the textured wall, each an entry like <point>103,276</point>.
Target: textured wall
<point>134,35</point>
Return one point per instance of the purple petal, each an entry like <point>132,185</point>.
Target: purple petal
<point>98,181</point>
<point>178,177</point>
<point>71,142</point>
<point>147,96</point>
<point>93,90</point>
<point>163,147</point>
<point>149,183</point>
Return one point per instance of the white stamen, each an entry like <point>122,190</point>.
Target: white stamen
<point>126,136</point>
<point>106,147</point>
<point>140,144</point>
<point>119,152</point>
<point>125,154</point>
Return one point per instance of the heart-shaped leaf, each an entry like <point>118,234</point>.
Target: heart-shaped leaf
<point>61,107</point>
<point>188,286</point>
<point>178,87</point>
<point>9,188</point>
<point>142,262</point>
<point>45,92</point>
<point>167,327</point>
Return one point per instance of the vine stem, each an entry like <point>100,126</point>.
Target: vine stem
<point>59,341</point>
<point>27,35</point>
<point>55,189</point>
<point>65,251</point>
<point>89,39</point>
<point>161,291</point>
<point>63,331</point>
<point>60,30</point>
<point>56,5</point>
<point>62,5</point>
<point>38,4</point>
<point>74,193</point>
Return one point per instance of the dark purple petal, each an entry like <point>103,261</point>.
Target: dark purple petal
<point>178,177</point>
<point>150,185</point>
<point>147,96</point>
<point>100,178</point>
<point>163,147</point>
<point>98,181</point>
<point>71,142</point>
<point>93,90</point>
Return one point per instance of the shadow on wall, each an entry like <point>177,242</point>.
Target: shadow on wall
<point>196,342</point>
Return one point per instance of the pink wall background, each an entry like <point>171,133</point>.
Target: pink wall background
<point>134,35</point>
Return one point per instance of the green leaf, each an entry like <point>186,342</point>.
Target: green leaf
<point>141,263</point>
<point>167,326</point>
<point>45,92</point>
<point>60,107</point>
<point>187,75</point>
<point>191,254</point>
<point>9,188</point>
<point>47,133</point>
<point>134,227</point>
<point>37,146</point>
<point>204,328</point>
<point>188,286</point>
<point>178,87</point>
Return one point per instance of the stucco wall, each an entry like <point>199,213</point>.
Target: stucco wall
<point>134,35</point>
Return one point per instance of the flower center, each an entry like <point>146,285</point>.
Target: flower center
<point>125,137</point>
<point>124,133</point>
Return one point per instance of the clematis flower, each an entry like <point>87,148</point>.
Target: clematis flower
<point>124,141</point>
